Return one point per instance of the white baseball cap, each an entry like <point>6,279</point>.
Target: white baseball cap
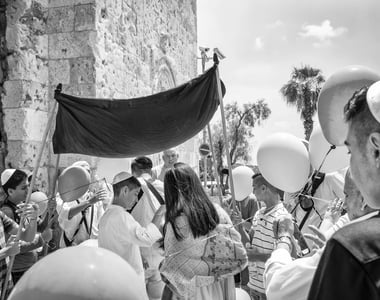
<point>6,175</point>
<point>373,100</point>
<point>121,177</point>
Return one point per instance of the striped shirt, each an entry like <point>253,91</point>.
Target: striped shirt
<point>263,240</point>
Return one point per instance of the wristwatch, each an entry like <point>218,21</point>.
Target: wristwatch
<point>284,239</point>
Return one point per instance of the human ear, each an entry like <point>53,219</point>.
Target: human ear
<point>374,142</point>
<point>10,192</point>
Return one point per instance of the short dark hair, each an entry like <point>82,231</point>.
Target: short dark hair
<point>262,181</point>
<point>17,177</point>
<point>141,163</point>
<point>131,183</point>
<point>357,112</point>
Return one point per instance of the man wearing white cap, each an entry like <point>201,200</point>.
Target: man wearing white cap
<point>79,219</point>
<point>120,232</point>
<point>350,265</point>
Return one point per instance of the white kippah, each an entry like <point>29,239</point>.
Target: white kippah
<point>6,175</point>
<point>121,177</point>
<point>373,100</point>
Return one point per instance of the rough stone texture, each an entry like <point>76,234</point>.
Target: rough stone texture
<point>24,97</point>
<point>85,17</point>
<point>25,94</point>
<point>61,19</point>
<point>95,48</point>
<point>70,44</point>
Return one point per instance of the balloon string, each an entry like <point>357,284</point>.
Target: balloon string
<point>205,239</point>
<point>77,188</point>
<point>316,198</point>
<point>328,152</point>
<point>306,190</point>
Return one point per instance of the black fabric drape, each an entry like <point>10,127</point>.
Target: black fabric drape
<point>139,126</point>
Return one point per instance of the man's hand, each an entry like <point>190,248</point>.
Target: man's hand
<point>100,195</point>
<point>12,247</point>
<point>334,210</point>
<point>236,217</point>
<point>47,235</point>
<point>283,226</point>
<point>29,211</point>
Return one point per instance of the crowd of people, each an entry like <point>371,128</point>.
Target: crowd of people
<point>184,244</point>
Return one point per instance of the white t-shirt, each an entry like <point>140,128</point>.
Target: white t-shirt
<point>70,226</point>
<point>123,235</point>
<point>329,189</point>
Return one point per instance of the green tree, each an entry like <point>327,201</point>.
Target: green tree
<point>302,91</point>
<point>240,123</point>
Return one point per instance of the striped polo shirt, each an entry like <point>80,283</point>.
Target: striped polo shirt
<point>263,240</point>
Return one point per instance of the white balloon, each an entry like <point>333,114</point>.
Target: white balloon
<point>284,161</point>
<point>89,243</point>
<point>242,177</point>
<point>336,159</point>
<point>242,294</point>
<point>41,200</point>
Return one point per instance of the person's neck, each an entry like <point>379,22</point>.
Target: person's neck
<point>270,204</point>
<point>12,201</point>
<point>118,202</point>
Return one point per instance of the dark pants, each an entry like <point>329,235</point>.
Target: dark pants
<point>16,276</point>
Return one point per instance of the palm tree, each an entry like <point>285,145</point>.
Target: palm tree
<point>302,90</point>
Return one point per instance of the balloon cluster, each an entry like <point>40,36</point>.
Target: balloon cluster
<point>285,160</point>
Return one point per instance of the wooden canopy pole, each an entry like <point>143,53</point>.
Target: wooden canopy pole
<point>233,203</point>
<point>52,196</point>
<point>205,58</point>
<point>31,186</point>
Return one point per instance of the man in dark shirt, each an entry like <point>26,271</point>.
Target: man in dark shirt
<point>350,265</point>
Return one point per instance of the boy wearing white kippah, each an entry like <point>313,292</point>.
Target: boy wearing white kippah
<point>120,232</point>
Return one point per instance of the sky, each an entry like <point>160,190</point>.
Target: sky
<point>263,40</point>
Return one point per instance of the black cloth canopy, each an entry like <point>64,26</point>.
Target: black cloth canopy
<point>139,126</point>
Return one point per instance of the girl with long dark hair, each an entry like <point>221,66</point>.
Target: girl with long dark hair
<point>202,249</point>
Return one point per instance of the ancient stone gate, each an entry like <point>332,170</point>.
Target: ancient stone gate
<point>95,48</point>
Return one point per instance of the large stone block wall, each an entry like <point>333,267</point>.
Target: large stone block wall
<point>25,92</point>
<point>95,48</point>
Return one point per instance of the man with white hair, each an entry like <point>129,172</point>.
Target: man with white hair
<point>170,157</point>
<point>79,218</point>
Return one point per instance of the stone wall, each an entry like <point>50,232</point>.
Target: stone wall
<point>95,48</point>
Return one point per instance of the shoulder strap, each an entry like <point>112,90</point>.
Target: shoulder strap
<point>88,229</point>
<point>317,179</point>
<point>155,192</point>
<point>69,242</point>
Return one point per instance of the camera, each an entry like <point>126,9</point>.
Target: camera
<point>219,53</point>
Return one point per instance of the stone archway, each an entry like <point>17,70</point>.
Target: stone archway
<point>164,78</point>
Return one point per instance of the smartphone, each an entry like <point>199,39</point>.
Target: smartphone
<point>304,248</point>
